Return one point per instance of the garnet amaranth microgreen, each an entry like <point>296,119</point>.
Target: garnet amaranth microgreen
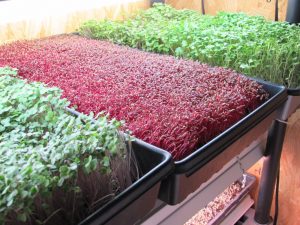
<point>175,104</point>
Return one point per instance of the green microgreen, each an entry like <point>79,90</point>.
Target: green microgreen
<point>43,148</point>
<point>248,44</point>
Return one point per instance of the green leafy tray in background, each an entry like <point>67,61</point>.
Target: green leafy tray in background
<point>248,44</point>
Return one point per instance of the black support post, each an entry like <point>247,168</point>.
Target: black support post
<point>269,172</point>
<point>293,11</point>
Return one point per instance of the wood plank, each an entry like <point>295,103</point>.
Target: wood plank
<point>282,5</point>
<point>258,8</point>
<point>182,4</point>
<point>251,7</point>
<point>57,17</point>
<point>215,6</point>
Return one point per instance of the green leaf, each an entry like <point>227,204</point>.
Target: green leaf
<point>105,161</point>
<point>64,171</point>
<point>22,217</point>
<point>43,146</point>
<point>60,182</point>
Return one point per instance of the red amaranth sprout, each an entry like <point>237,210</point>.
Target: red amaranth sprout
<point>175,104</point>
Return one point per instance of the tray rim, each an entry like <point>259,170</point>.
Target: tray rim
<point>138,187</point>
<point>260,113</point>
<point>294,91</point>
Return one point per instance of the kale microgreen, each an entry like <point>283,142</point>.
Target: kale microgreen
<point>43,148</point>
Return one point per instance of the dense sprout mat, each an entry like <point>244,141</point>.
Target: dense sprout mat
<point>55,168</point>
<point>250,45</point>
<point>175,104</point>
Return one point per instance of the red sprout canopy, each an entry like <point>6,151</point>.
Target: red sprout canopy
<point>174,104</point>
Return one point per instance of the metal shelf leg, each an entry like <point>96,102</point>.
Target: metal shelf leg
<point>269,172</point>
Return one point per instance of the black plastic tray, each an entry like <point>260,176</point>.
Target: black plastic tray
<point>138,199</point>
<point>293,91</point>
<point>292,104</point>
<point>198,167</point>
